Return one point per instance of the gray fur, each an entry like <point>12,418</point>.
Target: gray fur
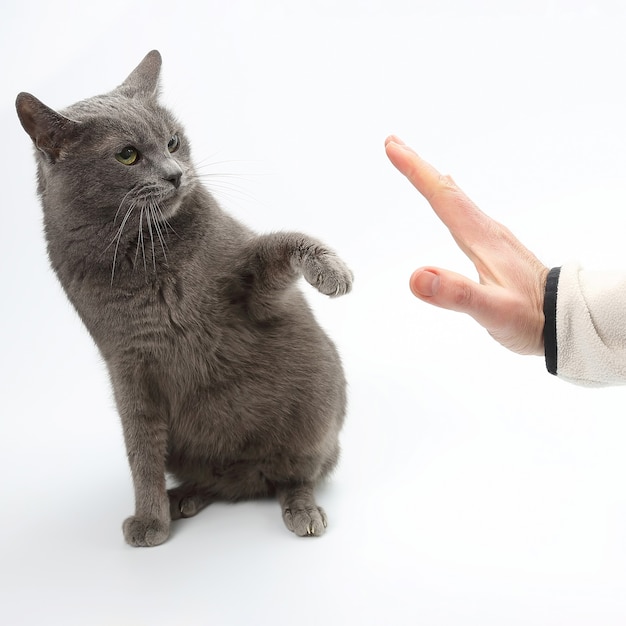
<point>221,375</point>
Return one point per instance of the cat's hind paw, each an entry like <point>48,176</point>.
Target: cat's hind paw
<point>187,500</point>
<point>145,532</point>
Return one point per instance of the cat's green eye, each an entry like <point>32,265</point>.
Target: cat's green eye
<point>128,156</point>
<point>174,143</point>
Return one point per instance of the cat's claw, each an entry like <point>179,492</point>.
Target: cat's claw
<point>306,522</point>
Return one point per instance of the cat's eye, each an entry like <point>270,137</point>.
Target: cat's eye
<point>174,143</point>
<point>128,156</point>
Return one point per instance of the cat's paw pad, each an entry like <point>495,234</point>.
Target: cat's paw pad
<point>145,532</point>
<point>310,521</point>
<point>327,273</point>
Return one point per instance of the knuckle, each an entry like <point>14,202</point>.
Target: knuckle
<point>462,296</point>
<point>447,182</point>
<point>445,186</point>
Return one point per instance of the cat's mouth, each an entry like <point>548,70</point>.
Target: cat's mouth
<point>171,205</point>
<point>143,220</point>
<point>168,202</point>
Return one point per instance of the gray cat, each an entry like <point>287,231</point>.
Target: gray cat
<point>221,375</point>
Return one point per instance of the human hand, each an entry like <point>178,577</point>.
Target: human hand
<point>508,300</point>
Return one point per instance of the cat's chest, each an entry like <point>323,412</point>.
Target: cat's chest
<point>162,316</point>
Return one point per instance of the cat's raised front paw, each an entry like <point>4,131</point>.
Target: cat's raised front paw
<point>309,521</point>
<point>327,273</point>
<point>145,532</point>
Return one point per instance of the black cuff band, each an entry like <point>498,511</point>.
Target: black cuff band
<point>549,312</point>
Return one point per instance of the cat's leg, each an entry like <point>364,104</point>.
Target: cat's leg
<point>320,266</point>
<point>276,260</point>
<point>240,480</point>
<point>245,481</point>
<point>301,513</point>
<point>146,441</point>
<point>145,433</point>
<point>295,478</point>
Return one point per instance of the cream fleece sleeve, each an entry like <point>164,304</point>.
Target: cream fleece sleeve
<point>585,335</point>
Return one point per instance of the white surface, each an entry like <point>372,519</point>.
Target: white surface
<point>474,488</point>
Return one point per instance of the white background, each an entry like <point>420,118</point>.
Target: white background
<point>474,488</point>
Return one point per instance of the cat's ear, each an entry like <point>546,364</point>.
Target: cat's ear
<point>144,79</point>
<point>51,132</point>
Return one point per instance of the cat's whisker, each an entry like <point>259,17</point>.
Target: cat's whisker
<point>151,217</point>
<point>225,178</point>
<point>229,191</point>
<point>140,242</point>
<point>168,226</point>
<point>119,237</point>
<point>226,184</point>
<point>239,164</point>
<point>117,233</point>
<point>209,162</point>
<point>224,174</point>
<point>149,220</point>
<point>154,207</point>
<point>122,204</point>
<point>218,175</point>
<point>202,172</point>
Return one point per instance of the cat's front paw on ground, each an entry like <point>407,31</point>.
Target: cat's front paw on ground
<point>327,273</point>
<point>145,532</point>
<point>310,521</point>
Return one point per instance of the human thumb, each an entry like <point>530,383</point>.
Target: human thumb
<point>425,283</point>
<point>449,290</point>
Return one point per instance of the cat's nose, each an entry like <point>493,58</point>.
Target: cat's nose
<point>173,174</point>
<point>175,179</point>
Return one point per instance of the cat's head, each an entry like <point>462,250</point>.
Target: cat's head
<point>110,157</point>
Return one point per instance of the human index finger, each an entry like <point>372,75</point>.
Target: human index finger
<point>467,223</point>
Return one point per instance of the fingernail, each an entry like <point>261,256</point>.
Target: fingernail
<point>395,139</point>
<point>425,283</point>
<point>402,146</point>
